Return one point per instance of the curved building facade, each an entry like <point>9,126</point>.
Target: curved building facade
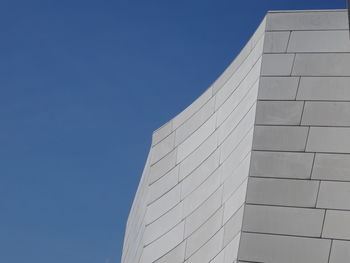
<point>257,169</point>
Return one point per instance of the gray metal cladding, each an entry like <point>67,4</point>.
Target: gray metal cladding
<point>257,169</point>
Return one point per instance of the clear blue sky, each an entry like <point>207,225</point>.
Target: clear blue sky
<point>82,86</point>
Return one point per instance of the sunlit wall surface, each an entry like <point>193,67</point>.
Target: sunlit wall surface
<point>257,169</point>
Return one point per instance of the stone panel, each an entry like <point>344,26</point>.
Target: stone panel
<point>198,196</point>
<point>328,140</point>
<point>162,132</point>
<point>286,249</point>
<point>304,20</point>
<point>239,92</point>
<point>192,109</point>
<point>219,258</point>
<point>324,88</point>
<point>279,112</point>
<point>199,175</point>
<point>236,178</point>
<point>277,64</point>
<point>163,166</point>
<point>284,192</point>
<point>237,156</point>
<point>276,42</point>
<point>283,220</point>
<point>278,88</point>
<point>203,212</point>
<point>319,41</point>
<point>163,224</point>
<point>334,167</point>
<point>163,148</point>
<point>242,129</point>
<point>252,63</point>
<point>233,226</point>
<point>234,203</point>
<point>163,185</point>
<point>163,245</point>
<point>337,225</point>
<point>193,123</point>
<point>207,252</point>
<point>196,139</point>
<point>322,64</point>
<point>163,204</point>
<point>340,252</point>
<point>334,195</point>
<point>326,113</point>
<point>230,70</point>
<point>176,255</point>
<point>231,250</point>
<point>204,233</point>
<point>248,103</point>
<point>281,164</point>
<point>197,157</point>
<point>279,138</point>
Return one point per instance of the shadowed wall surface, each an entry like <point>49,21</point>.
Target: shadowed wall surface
<point>257,168</point>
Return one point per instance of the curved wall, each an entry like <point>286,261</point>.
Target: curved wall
<point>252,170</point>
<point>195,181</point>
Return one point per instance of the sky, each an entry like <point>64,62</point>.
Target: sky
<point>83,83</point>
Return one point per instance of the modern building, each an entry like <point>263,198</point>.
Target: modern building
<point>257,169</point>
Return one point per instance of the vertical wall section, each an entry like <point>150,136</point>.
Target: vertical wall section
<point>257,169</point>
<point>298,200</point>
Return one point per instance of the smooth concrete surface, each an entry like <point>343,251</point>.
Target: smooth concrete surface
<point>257,169</point>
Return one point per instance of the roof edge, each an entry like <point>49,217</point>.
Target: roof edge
<point>307,11</point>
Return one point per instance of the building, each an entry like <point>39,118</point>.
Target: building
<point>257,169</point>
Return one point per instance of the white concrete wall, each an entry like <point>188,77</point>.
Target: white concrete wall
<point>257,168</point>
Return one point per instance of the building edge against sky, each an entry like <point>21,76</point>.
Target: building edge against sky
<point>257,169</point>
